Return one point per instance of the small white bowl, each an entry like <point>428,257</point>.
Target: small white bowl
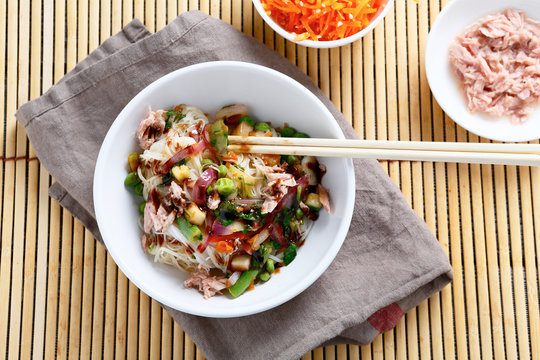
<point>270,96</point>
<point>451,22</point>
<point>383,10</point>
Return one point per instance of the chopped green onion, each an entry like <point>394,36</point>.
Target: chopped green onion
<point>243,282</point>
<point>191,232</point>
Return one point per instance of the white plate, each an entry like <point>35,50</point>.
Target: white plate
<point>270,96</point>
<point>452,21</point>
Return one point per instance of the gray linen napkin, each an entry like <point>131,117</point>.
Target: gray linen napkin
<point>389,263</point>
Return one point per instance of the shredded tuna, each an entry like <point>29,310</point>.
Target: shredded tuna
<point>213,201</point>
<point>177,195</point>
<point>277,187</point>
<point>144,242</point>
<point>149,214</point>
<point>498,62</point>
<point>152,125</point>
<point>160,220</point>
<point>163,219</point>
<point>324,197</point>
<point>205,283</point>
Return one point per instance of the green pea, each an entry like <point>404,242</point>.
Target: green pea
<point>141,207</point>
<point>288,132</point>
<point>270,266</point>
<point>292,159</point>
<point>262,127</point>
<point>264,276</point>
<point>132,179</point>
<point>225,186</point>
<point>139,189</point>
<point>300,135</point>
<point>222,171</point>
<point>299,213</point>
<point>206,161</point>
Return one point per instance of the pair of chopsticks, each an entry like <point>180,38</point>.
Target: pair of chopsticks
<point>472,153</point>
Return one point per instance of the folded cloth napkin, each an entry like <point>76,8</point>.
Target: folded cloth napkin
<point>388,264</point>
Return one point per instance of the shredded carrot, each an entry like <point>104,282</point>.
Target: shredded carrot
<point>322,20</point>
<point>230,157</point>
<point>223,246</point>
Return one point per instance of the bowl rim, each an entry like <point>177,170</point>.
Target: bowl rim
<point>447,107</point>
<point>289,293</point>
<point>322,44</point>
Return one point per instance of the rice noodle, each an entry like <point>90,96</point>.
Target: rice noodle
<point>170,246</point>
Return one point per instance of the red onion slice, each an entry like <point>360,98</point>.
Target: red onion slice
<point>181,155</point>
<point>202,183</point>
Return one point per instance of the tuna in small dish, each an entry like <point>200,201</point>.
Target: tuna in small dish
<point>497,61</point>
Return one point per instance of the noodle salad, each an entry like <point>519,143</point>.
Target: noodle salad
<point>229,219</point>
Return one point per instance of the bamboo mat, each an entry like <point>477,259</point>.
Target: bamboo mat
<point>62,296</point>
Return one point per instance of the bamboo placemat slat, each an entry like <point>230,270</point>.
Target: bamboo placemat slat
<point>61,295</point>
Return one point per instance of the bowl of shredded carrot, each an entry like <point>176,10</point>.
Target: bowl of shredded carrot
<point>322,23</point>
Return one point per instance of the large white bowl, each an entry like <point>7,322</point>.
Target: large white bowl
<point>383,10</point>
<point>452,21</point>
<point>270,96</point>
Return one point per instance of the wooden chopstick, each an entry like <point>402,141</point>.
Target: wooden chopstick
<point>388,144</point>
<point>473,153</point>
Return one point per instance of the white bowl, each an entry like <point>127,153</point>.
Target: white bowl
<point>270,96</point>
<point>383,10</point>
<point>452,21</point>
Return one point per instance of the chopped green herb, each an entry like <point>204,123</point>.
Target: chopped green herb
<point>248,119</point>
<point>290,254</point>
<point>275,244</point>
<point>263,127</point>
